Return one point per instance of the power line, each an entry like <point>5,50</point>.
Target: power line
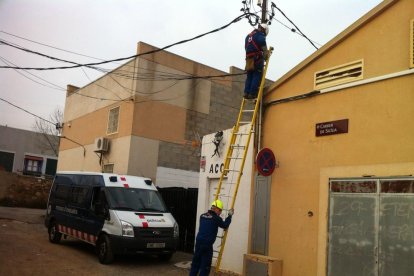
<point>148,77</point>
<point>57,87</point>
<point>127,74</point>
<point>297,28</point>
<point>293,30</point>
<point>75,53</point>
<point>13,45</point>
<point>76,65</point>
<point>54,47</point>
<point>18,107</point>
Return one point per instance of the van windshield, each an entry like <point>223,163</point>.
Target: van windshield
<point>131,199</point>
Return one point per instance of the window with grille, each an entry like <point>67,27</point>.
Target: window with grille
<point>33,166</point>
<point>108,168</point>
<point>113,120</point>
<point>340,74</point>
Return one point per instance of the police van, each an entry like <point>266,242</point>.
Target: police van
<point>119,214</point>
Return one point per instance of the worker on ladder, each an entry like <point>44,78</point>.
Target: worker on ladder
<point>256,54</point>
<point>207,233</point>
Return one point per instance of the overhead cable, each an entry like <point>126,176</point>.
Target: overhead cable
<point>297,28</point>
<point>6,101</point>
<point>76,65</point>
<point>149,77</point>
<point>54,86</point>
<point>79,54</point>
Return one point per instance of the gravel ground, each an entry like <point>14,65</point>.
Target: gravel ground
<point>26,250</point>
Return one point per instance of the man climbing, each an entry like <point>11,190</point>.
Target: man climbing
<point>207,233</point>
<point>256,53</point>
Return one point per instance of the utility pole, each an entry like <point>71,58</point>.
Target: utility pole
<point>264,11</point>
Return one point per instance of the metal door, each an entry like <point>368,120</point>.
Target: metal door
<point>396,226</point>
<point>260,233</point>
<point>371,227</point>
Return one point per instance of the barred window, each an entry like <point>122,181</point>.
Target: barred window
<point>113,120</point>
<point>108,168</point>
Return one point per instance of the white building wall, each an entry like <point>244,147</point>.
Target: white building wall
<point>237,238</point>
<point>168,177</point>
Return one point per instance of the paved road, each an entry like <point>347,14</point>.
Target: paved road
<point>25,250</point>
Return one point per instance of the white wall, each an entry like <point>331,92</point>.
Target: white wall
<point>168,177</point>
<point>237,238</point>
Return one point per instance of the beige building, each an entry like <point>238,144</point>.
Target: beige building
<point>341,126</point>
<point>147,118</point>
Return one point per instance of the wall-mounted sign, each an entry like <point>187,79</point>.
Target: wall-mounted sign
<point>265,162</point>
<point>331,128</point>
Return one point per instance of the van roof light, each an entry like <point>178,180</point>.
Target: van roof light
<point>113,178</point>
<point>148,181</point>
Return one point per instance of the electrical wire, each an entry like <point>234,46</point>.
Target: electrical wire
<point>18,107</point>
<point>273,5</point>
<point>91,65</point>
<point>247,6</point>
<point>293,30</point>
<point>79,54</point>
<point>55,86</point>
<point>103,87</point>
<point>147,76</point>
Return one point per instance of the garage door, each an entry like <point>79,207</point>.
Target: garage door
<point>371,227</point>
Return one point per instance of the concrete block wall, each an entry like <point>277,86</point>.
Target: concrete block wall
<point>224,107</point>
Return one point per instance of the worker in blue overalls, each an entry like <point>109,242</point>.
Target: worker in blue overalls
<point>207,233</point>
<point>256,53</point>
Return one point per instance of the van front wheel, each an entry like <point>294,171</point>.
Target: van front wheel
<point>54,234</point>
<point>105,254</point>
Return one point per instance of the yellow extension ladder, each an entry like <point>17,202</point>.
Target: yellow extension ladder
<point>236,144</point>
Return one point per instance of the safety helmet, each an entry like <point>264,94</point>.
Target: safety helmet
<point>265,28</point>
<point>218,204</point>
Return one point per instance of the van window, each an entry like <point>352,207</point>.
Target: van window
<point>80,196</point>
<point>91,180</point>
<point>139,200</point>
<point>62,192</point>
<point>63,179</point>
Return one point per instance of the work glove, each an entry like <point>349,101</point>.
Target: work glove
<point>266,55</point>
<point>231,212</point>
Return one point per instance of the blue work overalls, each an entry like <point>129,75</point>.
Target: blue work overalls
<point>254,43</point>
<point>207,233</point>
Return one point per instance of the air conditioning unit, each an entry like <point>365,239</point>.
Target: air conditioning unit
<point>101,144</point>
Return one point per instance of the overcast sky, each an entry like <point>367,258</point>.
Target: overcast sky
<point>109,29</point>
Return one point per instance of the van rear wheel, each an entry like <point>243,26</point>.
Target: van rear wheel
<point>54,234</point>
<point>105,253</point>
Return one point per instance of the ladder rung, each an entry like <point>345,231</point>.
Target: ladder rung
<point>230,170</point>
<point>240,133</point>
<point>245,122</point>
<point>225,196</point>
<point>248,110</point>
<point>237,146</point>
<point>236,158</point>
